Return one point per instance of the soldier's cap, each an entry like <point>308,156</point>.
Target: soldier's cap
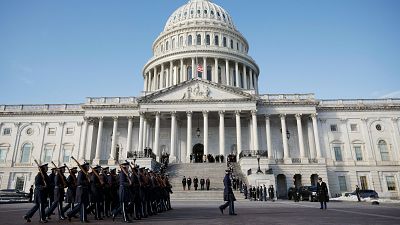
<point>74,169</point>
<point>142,168</point>
<point>61,167</point>
<point>85,164</point>
<point>106,168</point>
<point>137,167</point>
<point>125,164</point>
<point>113,170</point>
<point>44,165</point>
<point>97,167</point>
<point>227,171</point>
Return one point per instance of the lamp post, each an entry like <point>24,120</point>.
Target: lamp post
<point>198,132</point>
<point>258,160</point>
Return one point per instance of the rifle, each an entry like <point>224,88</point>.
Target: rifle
<point>97,175</point>
<point>126,173</point>
<point>82,169</point>
<point>73,176</point>
<point>59,174</point>
<point>133,171</point>
<point>41,172</point>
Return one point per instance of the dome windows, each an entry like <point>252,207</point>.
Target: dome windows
<point>198,11</point>
<point>166,46</point>
<point>189,40</point>
<point>205,11</point>
<point>208,39</point>
<point>231,44</point>
<point>216,40</point>
<point>198,39</point>
<point>224,42</point>
<point>212,12</point>
<point>218,14</point>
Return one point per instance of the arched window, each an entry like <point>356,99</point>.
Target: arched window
<point>189,40</point>
<point>198,39</point>
<point>67,152</point>
<point>219,75</point>
<point>181,41</point>
<point>162,48</point>
<point>173,44</point>
<point>231,44</point>
<point>166,46</point>
<point>216,40</point>
<point>26,152</point>
<point>383,149</point>
<point>189,73</point>
<point>237,46</point>
<point>208,39</point>
<point>224,41</point>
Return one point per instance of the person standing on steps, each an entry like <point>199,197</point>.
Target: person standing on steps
<point>196,183</point>
<point>189,183</point>
<point>229,197</point>
<point>202,181</point>
<point>208,184</point>
<point>184,183</point>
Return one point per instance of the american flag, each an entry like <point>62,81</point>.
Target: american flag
<point>199,68</point>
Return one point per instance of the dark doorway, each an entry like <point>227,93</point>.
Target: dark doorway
<point>314,179</point>
<point>297,180</point>
<point>198,152</point>
<point>282,186</point>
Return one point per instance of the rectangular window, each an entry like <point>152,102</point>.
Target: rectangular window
<point>69,131</point>
<point>364,182</point>
<point>48,153</point>
<point>342,183</point>
<point>7,131</point>
<point>338,154</point>
<point>51,131</point>
<point>391,183</point>
<point>3,152</point>
<point>67,153</point>
<point>334,128</point>
<point>353,127</point>
<point>357,150</point>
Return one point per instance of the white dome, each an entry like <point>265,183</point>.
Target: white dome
<point>199,10</point>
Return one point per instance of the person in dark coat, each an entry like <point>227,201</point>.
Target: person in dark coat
<point>245,191</point>
<point>271,192</point>
<point>136,193</point>
<point>113,182</point>
<point>124,193</point>
<point>189,182</point>
<point>208,184</point>
<point>184,183</point>
<point>358,193</point>
<point>195,183</point>
<point>51,186</point>
<point>229,197</point>
<point>202,183</point>
<point>71,190</point>
<point>96,192</point>
<point>322,193</point>
<point>59,184</point>
<point>41,182</point>
<point>82,195</point>
<point>30,193</point>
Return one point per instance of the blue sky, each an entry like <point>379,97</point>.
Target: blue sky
<point>63,51</point>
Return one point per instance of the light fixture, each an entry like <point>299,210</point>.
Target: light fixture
<point>258,160</point>
<point>198,129</point>
<point>287,134</point>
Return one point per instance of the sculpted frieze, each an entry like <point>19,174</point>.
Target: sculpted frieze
<point>198,92</point>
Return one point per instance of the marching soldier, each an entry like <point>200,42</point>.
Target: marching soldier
<point>113,182</point>
<point>59,185</point>
<point>124,193</point>
<point>96,193</point>
<point>82,194</point>
<point>106,191</point>
<point>41,182</point>
<point>71,190</point>
<point>136,193</point>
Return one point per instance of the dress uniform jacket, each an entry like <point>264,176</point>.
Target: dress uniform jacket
<point>82,190</point>
<point>59,191</point>
<point>71,191</point>
<point>40,189</point>
<point>124,192</point>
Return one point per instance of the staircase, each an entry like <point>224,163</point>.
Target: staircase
<point>214,171</point>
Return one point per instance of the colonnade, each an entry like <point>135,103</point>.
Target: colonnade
<point>223,71</point>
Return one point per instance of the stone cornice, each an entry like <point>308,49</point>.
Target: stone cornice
<point>49,113</point>
<point>359,108</point>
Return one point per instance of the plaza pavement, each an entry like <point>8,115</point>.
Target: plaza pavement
<point>277,213</point>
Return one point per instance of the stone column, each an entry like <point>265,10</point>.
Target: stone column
<point>204,68</point>
<point>255,129</point>
<point>171,75</point>
<point>155,79</point>
<point>245,77</point>
<point>237,74</point>
<point>99,139</point>
<point>227,72</point>
<point>114,140</point>
<point>215,71</point>
<point>173,136</point>
<point>189,135</point>
<point>300,133</point>
<point>251,79</point>
<point>268,134</point>
<point>129,137</point>
<point>145,82</point>
<point>181,73</point>
<point>396,137</point>
<point>162,76</point>
<point>284,138</point>
<point>157,135</point>
<point>205,127</point>
<point>193,69</point>
<point>316,135</point>
<point>84,137</point>
<point>221,133</point>
<point>141,126</point>
<point>238,135</point>
<point>311,139</point>
<point>145,137</point>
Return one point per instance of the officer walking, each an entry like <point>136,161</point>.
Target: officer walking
<point>229,197</point>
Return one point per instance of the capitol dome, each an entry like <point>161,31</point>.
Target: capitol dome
<point>200,41</point>
<point>199,11</point>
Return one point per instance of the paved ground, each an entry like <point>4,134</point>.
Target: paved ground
<point>277,213</point>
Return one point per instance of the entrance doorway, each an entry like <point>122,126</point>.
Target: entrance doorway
<point>314,179</point>
<point>297,180</point>
<point>282,186</point>
<point>198,152</point>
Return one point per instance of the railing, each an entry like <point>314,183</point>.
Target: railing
<point>288,97</point>
<point>111,100</point>
<point>141,154</point>
<point>296,160</point>
<point>253,153</point>
<point>279,161</point>
<point>40,108</point>
<point>359,102</point>
<point>313,160</point>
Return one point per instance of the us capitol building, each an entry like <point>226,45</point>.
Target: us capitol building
<point>200,97</point>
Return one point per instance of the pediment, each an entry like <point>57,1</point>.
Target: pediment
<point>198,90</point>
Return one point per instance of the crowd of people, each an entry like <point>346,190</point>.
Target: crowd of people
<point>259,193</point>
<point>206,158</point>
<point>188,182</point>
<point>103,192</point>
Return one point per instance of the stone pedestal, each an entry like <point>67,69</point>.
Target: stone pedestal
<point>258,179</point>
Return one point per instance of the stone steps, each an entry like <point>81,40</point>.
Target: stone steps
<point>202,195</point>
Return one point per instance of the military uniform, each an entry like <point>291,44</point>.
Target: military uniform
<point>229,197</point>
<point>71,190</point>
<point>124,194</point>
<point>82,195</point>
<point>59,192</point>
